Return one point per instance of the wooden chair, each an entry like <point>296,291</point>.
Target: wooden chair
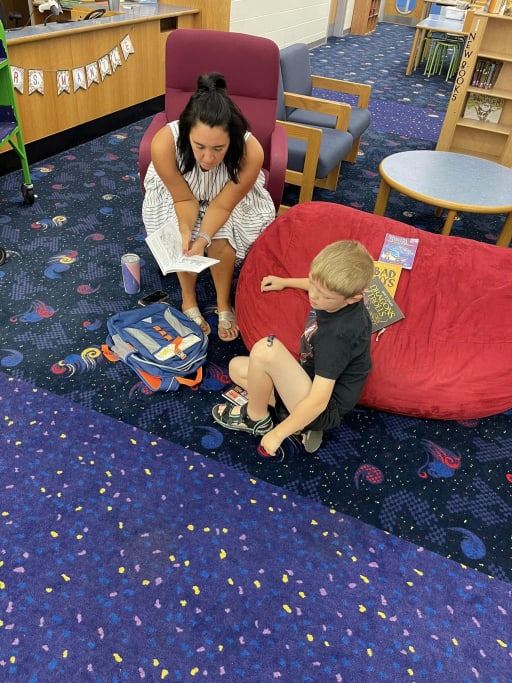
<point>314,153</point>
<point>297,78</point>
<point>250,65</point>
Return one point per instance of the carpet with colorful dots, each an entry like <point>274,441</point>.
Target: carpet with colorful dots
<point>445,486</point>
<point>128,558</point>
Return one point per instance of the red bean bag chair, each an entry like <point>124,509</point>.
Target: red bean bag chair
<point>450,358</point>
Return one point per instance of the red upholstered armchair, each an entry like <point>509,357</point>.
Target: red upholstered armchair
<point>250,65</point>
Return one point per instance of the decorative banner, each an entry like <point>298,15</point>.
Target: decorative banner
<point>115,58</point>
<point>83,77</point>
<point>35,81</point>
<point>63,84</point>
<point>127,47</point>
<point>105,68</point>
<point>18,78</point>
<point>93,75</point>
<point>79,79</point>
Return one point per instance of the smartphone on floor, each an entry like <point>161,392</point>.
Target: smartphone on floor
<point>155,297</point>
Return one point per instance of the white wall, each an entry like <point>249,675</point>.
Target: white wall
<point>284,21</point>
<point>348,16</point>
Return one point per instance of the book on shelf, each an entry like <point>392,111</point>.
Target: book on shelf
<point>503,7</point>
<point>495,6</point>
<point>388,274</point>
<point>236,395</point>
<point>399,250</point>
<point>483,107</point>
<point>381,306</point>
<point>168,254</point>
<point>485,73</point>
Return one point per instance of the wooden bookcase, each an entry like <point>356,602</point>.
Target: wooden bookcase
<point>489,38</point>
<point>365,16</point>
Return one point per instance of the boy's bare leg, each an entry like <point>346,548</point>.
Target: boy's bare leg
<point>269,365</point>
<point>239,369</point>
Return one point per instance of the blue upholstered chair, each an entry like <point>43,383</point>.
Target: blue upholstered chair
<point>314,153</point>
<point>297,78</point>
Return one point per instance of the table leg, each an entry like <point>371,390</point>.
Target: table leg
<point>381,202</point>
<point>450,217</point>
<point>506,232</point>
<point>426,9</point>
<point>412,56</point>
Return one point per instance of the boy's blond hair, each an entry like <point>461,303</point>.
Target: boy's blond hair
<point>343,267</point>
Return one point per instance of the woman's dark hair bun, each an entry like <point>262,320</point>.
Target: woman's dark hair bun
<point>211,82</point>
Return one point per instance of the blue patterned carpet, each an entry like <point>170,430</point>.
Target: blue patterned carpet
<point>128,558</point>
<point>445,486</point>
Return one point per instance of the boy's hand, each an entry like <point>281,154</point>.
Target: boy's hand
<point>272,283</point>
<point>271,442</point>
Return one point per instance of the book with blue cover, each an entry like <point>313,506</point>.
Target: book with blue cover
<point>399,250</point>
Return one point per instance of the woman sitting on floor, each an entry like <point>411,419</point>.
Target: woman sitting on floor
<point>205,181</point>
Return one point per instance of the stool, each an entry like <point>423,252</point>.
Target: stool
<point>423,50</point>
<point>457,50</point>
<point>439,49</point>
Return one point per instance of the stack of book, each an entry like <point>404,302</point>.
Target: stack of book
<point>486,73</point>
<point>396,254</point>
<point>500,7</point>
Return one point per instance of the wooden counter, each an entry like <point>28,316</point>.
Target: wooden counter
<point>64,47</point>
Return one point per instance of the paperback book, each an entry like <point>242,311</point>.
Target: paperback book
<point>399,250</point>
<point>236,395</point>
<point>388,274</point>
<point>381,306</point>
<point>482,107</point>
<point>167,252</point>
<point>486,73</point>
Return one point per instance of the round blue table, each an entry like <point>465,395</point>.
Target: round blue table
<point>455,182</point>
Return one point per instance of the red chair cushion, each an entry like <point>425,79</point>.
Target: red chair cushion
<point>450,358</point>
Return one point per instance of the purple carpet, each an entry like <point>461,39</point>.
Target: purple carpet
<point>128,558</point>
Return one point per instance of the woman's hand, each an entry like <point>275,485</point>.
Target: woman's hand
<point>186,237</point>
<point>272,283</point>
<point>197,247</point>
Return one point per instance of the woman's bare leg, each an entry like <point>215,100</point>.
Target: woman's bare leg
<point>188,294</point>
<point>222,275</point>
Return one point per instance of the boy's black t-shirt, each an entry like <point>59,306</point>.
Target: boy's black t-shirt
<point>337,346</point>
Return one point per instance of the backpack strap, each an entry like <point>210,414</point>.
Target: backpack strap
<point>191,381</point>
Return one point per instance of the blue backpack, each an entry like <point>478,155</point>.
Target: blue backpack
<point>160,344</point>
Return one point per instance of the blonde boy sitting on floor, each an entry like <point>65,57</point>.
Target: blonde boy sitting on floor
<point>326,383</point>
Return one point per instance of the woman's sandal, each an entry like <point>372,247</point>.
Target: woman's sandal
<point>226,321</point>
<point>223,414</point>
<point>195,314</point>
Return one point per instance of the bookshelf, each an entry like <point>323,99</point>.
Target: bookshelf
<point>488,137</point>
<point>365,16</point>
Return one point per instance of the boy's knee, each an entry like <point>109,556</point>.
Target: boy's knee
<point>266,347</point>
